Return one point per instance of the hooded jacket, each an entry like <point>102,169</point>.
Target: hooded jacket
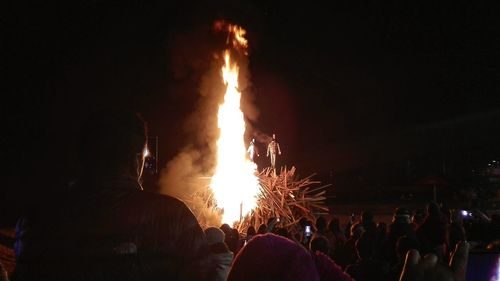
<point>112,231</point>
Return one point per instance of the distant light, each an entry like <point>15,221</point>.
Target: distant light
<point>464,213</point>
<point>146,152</point>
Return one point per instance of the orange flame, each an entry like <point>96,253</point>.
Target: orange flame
<point>234,183</point>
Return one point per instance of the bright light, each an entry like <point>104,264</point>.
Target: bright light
<point>146,153</point>
<point>235,184</point>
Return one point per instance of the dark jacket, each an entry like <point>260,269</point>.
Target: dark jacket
<point>112,231</point>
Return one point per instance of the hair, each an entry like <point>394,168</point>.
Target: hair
<point>262,229</point>
<point>110,141</point>
<point>433,209</point>
<point>357,230</point>
<point>321,223</point>
<point>321,244</point>
<point>251,231</point>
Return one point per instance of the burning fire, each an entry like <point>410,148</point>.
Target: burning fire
<point>234,183</point>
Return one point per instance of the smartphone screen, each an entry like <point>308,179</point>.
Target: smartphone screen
<point>483,266</point>
<point>307,231</point>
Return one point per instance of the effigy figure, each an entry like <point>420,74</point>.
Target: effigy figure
<point>272,148</point>
<point>252,150</point>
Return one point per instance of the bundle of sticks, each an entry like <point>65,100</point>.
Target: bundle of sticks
<point>283,195</point>
<point>287,197</point>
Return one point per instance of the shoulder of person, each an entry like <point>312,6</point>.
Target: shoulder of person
<point>163,201</point>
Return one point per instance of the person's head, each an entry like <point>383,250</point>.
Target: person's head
<point>214,235</point>
<point>382,228</point>
<point>401,215</point>
<point>216,240</point>
<point>321,223</point>
<point>272,257</point>
<point>262,229</point>
<point>419,216</point>
<point>226,229</point>
<point>274,137</point>
<point>112,144</point>
<point>433,209</point>
<point>251,231</point>
<point>357,230</point>
<point>321,244</point>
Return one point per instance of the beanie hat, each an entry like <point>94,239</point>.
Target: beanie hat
<point>214,235</point>
<point>275,258</point>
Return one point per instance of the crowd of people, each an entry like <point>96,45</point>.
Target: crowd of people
<point>104,226</point>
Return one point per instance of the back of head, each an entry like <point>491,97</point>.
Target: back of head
<point>321,244</point>
<point>272,257</point>
<point>111,141</point>
<point>214,235</point>
<point>321,223</point>
<point>262,229</point>
<point>251,231</point>
<point>357,230</point>
<point>226,229</point>
<point>401,215</point>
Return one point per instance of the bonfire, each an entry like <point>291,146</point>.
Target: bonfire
<point>238,193</point>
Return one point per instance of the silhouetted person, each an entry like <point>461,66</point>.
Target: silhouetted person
<point>321,226</point>
<point>262,229</point>
<point>320,243</point>
<point>105,227</point>
<point>367,268</point>
<point>250,232</point>
<point>346,254</point>
<point>432,234</point>
<point>401,226</point>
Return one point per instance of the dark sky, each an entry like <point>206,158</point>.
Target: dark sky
<point>354,84</point>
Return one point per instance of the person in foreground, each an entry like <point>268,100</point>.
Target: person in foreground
<point>105,227</point>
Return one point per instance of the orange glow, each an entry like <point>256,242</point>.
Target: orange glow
<point>235,184</point>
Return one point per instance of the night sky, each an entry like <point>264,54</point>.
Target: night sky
<point>358,84</point>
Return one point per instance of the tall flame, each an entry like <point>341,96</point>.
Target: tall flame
<point>234,183</point>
